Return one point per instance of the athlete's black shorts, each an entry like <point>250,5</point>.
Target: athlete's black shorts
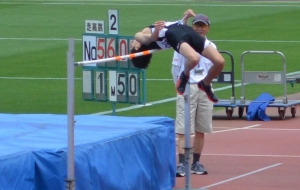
<point>178,34</point>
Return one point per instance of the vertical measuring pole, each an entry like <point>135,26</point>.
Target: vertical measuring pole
<point>187,136</point>
<point>70,96</point>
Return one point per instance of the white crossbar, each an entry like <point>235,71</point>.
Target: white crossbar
<point>117,58</point>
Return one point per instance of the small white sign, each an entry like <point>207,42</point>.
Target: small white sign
<point>94,26</point>
<point>113,22</point>
<point>87,81</point>
<point>227,77</point>
<point>277,77</point>
<point>113,86</point>
<point>100,82</point>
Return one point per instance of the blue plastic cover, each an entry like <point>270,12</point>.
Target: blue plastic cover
<point>110,152</point>
<point>257,108</point>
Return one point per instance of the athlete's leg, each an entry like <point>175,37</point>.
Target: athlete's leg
<point>191,55</point>
<point>193,59</point>
<point>218,63</point>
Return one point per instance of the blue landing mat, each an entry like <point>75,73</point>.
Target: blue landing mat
<point>111,153</point>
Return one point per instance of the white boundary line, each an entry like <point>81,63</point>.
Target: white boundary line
<point>241,41</point>
<point>35,78</point>
<point>134,3</point>
<point>50,78</point>
<point>156,102</point>
<point>241,128</point>
<point>255,155</point>
<point>241,176</point>
<point>232,129</point>
<point>268,129</point>
<point>40,39</point>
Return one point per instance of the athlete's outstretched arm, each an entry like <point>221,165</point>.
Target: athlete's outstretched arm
<point>146,36</point>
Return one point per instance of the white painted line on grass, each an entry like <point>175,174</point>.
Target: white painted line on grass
<point>136,106</point>
<point>51,78</point>
<point>40,39</point>
<point>79,39</point>
<point>173,99</point>
<point>33,78</point>
<point>148,4</point>
<point>156,102</point>
<point>241,176</point>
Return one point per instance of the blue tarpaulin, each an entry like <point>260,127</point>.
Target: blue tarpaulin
<point>110,152</point>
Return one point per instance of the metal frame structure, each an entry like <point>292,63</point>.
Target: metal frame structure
<point>227,77</point>
<point>70,96</point>
<point>267,77</point>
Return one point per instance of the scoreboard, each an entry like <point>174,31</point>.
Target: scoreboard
<point>117,81</point>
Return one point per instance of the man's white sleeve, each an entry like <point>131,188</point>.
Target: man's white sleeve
<point>176,65</point>
<point>175,73</point>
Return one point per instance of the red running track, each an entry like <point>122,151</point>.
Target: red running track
<point>250,155</point>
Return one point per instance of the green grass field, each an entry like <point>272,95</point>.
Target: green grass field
<point>34,39</point>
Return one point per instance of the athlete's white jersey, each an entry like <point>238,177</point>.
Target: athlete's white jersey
<point>162,41</point>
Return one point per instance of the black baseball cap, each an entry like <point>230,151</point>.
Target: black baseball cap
<point>201,18</point>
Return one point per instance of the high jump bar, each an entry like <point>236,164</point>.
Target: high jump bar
<point>118,58</point>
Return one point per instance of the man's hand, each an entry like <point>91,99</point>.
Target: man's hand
<point>186,15</point>
<point>189,13</point>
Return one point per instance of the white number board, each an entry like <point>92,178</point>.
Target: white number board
<point>113,22</point>
<point>89,48</point>
<point>112,86</point>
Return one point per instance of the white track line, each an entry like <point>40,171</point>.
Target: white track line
<point>243,175</point>
<point>259,41</point>
<point>254,155</point>
<point>267,129</point>
<point>234,129</point>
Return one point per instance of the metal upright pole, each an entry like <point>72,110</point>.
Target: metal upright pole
<point>187,132</point>
<point>70,96</point>
<point>144,86</point>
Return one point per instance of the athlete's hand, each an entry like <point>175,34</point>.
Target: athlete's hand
<point>159,25</point>
<point>135,45</point>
